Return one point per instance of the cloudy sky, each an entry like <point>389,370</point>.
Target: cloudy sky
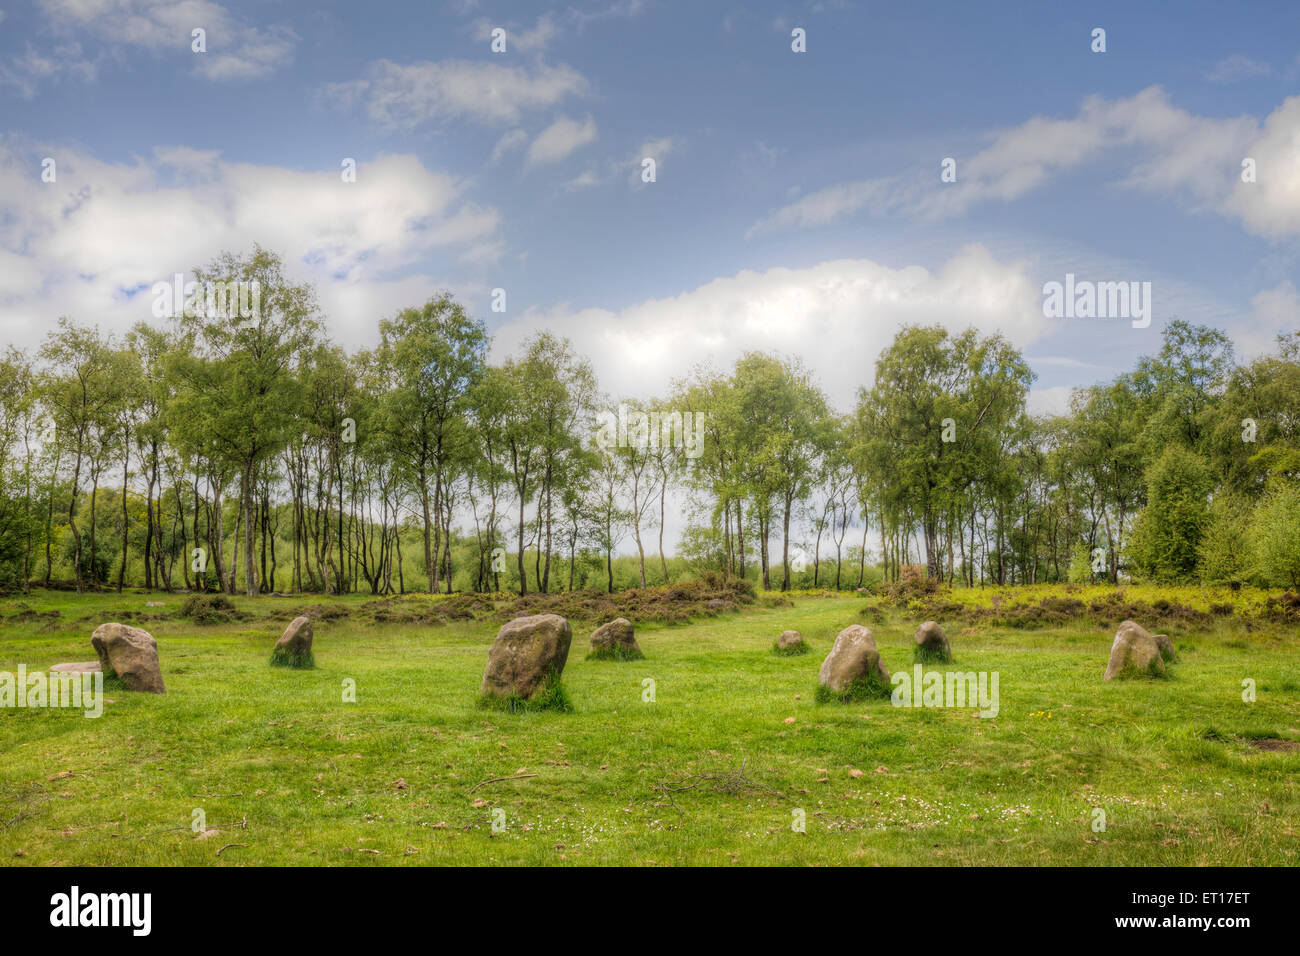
<point>797,204</point>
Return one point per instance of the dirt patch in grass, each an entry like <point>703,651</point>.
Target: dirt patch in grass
<point>26,615</point>
<point>1276,746</point>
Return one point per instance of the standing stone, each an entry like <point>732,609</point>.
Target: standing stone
<point>790,643</point>
<point>293,649</point>
<point>1138,653</point>
<point>528,653</point>
<point>617,640</point>
<point>131,654</point>
<point>932,644</point>
<point>853,660</point>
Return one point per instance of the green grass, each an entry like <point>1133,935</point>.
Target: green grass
<point>616,653</point>
<point>1187,772</point>
<point>929,655</point>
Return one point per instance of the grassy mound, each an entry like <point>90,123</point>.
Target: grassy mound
<point>208,609</point>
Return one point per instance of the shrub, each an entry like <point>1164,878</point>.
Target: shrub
<point>208,609</point>
<point>912,584</point>
<point>1275,537</point>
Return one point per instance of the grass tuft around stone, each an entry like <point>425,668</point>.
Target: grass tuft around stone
<point>298,662</point>
<point>866,687</point>
<point>929,655</point>
<point>551,697</point>
<point>616,653</point>
<point>793,651</point>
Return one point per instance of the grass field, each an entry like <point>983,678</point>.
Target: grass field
<point>713,771</point>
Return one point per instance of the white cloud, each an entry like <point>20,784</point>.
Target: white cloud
<point>1234,68</point>
<point>28,71</point>
<point>236,49</point>
<point>560,139</point>
<point>405,96</point>
<point>837,316</point>
<point>1272,312</point>
<point>618,9</point>
<point>608,171</point>
<point>587,179</point>
<point>256,53</point>
<point>508,143</point>
<point>83,245</point>
<point>1049,401</point>
<point>1192,158</point>
<point>1270,206</point>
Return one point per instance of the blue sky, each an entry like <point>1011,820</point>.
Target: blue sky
<point>797,205</point>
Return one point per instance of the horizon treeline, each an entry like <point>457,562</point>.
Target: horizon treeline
<point>219,450</point>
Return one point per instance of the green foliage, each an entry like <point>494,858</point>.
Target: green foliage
<point>1275,537</point>
<point>278,461</point>
<point>1166,542</point>
<point>1080,564</point>
<point>1224,548</point>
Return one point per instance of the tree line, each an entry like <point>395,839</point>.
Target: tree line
<point>216,450</point>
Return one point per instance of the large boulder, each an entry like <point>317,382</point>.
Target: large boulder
<point>293,649</point>
<point>527,655</point>
<point>853,667</point>
<point>790,643</point>
<point>1138,653</point>
<point>616,640</point>
<point>131,654</point>
<point>932,644</point>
